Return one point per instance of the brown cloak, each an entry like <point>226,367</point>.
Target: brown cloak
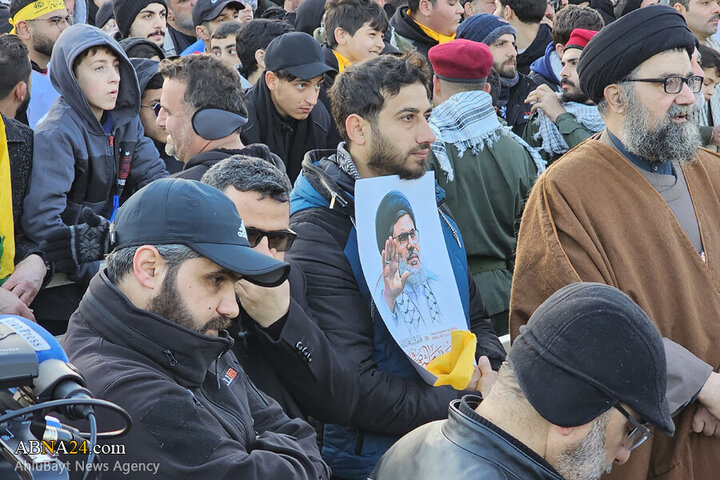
<point>592,216</point>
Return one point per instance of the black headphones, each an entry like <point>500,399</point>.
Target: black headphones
<point>214,123</point>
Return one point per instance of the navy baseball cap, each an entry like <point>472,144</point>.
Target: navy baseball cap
<point>298,53</point>
<point>206,10</point>
<point>187,212</point>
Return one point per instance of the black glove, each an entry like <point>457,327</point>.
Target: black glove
<point>68,247</point>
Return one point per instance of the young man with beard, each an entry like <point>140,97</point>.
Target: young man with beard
<point>283,108</point>
<point>485,170</point>
<point>605,362</point>
<point>499,36</point>
<point>201,125</point>
<point>381,107</point>
<point>426,23</point>
<point>142,19</point>
<point>159,310</point>
<point>531,36</point>
<point>635,208</point>
<point>702,19</point>
<point>39,24</point>
<point>559,123</point>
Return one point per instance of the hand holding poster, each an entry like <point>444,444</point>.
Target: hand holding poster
<point>406,265</point>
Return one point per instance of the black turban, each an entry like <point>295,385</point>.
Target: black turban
<point>393,206</point>
<point>627,42</point>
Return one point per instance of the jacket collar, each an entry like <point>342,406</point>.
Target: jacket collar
<point>185,354</point>
<point>211,157</point>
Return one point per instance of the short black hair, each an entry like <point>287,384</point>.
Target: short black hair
<point>527,11</point>
<point>413,5</point>
<point>257,35</point>
<point>209,82</point>
<point>249,174</point>
<point>572,17</point>
<point>362,88</point>
<point>17,5</point>
<point>226,29</point>
<point>14,63</point>
<point>709,57</point>
<point>351,15</point>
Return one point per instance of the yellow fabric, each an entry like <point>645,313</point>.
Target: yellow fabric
<point>343,62</point>
<point>35,10</point>
<point>455,367</point>
<point>7,233</point>
<point>438,37</point>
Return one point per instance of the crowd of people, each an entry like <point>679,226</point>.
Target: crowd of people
<point>177,204</point>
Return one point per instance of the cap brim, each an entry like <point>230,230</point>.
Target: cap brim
<point>255,267</point>
<point>309,70</point>
<point>567,401</point>
<point>212,14</point>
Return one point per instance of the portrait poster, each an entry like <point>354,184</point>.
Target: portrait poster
<point>406,265</point>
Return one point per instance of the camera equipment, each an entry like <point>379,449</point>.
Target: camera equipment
<point>35,378</point>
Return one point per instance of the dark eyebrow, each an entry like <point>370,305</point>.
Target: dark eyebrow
<point>408,110</point>
<point>229,273</point>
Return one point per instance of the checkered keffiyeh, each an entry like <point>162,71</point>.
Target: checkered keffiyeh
<point>468,121</point>
<point>552,140</point>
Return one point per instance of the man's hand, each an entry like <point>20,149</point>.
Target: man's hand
<point>10,304</point>
<point>68,247</point>
<point>709,395</point>
<point>483,377</point>
<point>393,283</point>
<point>25,282</point>
<point>705,423</point>
<point>265,305</point>
<point>547,100</point>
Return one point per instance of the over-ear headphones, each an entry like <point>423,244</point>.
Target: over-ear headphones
<point>214,123</point>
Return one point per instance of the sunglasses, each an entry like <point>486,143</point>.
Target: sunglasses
<point>155,108</point>
<point>280,240</point>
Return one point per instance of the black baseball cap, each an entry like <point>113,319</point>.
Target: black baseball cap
<point>187,212</point>
<point>298,53</point>
<point>586,349</point>
<point>206,10</point>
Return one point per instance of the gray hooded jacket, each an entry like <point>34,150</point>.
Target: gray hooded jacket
<point>75,162</point>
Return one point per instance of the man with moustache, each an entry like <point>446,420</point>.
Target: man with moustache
<point>559,123</point>
<point>39,24</point>
<point>499,36</point>
<point>702,19</point>
<point>634,207</point>
<point>180,26</point>
<point>381,107</point>
<point>159,311</point>
<point>141,18</point>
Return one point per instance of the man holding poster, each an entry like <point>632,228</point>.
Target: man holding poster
<point>381,107</point>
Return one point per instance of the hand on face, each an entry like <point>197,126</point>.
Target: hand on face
<point>265,305</point>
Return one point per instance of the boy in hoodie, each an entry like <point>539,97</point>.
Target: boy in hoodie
<point>90,154</point>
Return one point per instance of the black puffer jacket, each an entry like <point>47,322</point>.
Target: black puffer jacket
<point>195,411</point>
<point>202,162</point>
<point>517,110</point>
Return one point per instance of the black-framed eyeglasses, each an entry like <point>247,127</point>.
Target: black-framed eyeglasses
<point>57,21</point>
<point>640,433</point>
<point>673,84</point>
<point>280,240</point>
<point>405,237</point>
<point>155,108</point>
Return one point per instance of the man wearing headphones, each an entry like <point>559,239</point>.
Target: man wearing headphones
<point>201,110</point>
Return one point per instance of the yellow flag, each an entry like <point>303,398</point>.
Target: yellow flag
<point>7,233</point>
<point>456,366</point>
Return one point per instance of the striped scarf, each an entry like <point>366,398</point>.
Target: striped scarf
<point>552,140</point>
<point>468,121</point>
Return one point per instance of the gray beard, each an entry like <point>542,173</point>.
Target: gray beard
<point>418,276</point>
<point>586,460</point>
<point>666,142</point>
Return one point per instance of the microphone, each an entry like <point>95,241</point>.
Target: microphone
<point>57,379</point>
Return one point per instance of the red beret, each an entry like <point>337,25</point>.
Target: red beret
<point>461,60</point>
<point>579,38</point>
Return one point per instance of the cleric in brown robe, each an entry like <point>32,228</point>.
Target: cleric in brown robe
<point>638,207</point>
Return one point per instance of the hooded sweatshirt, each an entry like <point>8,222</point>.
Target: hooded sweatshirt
<point>76,159</point>
<point>546,69</point>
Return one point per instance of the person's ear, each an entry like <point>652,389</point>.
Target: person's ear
<point>680,8</point>
<point>487,87</point>
<point>202,33</point>
<point>437,88</point>
<point>340,36</point>
<point>357,129</point>
<point>260,59</point>
<point>425,7</point>
<point>20,91</point>
<point>508,13</point>
<point>271,80</point>
<point>469,9</point>
<point>559,49</point>
<point>149,267</point>
<point>170,16</point>
<point>615,97</point>
<point>22,30</point>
